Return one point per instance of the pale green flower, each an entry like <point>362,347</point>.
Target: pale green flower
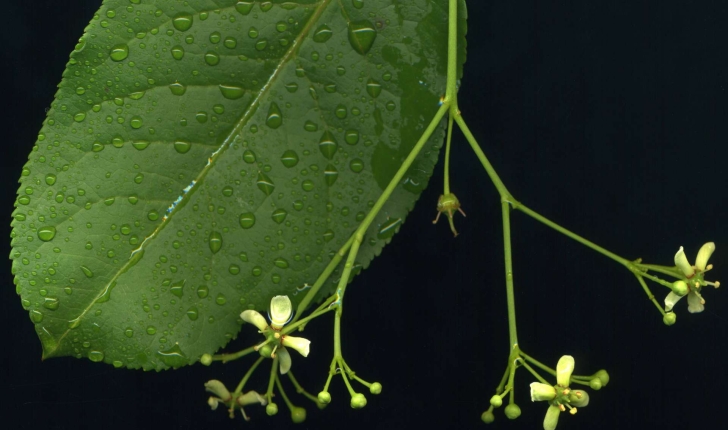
<point>559,396</point>
<point>280,313</point>
<point>694,278</point>
<point>222,395</point>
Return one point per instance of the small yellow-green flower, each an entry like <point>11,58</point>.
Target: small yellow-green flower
<point>280,313</point>
<point>559,396</point>
<point>222,395</point>
<point>694,278</point>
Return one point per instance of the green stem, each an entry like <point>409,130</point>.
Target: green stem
<point>538,364</point>
<point>447,154</point>
<point>452,54</point>
<point>502,190</point>
<point>248,374</point>
<point>271,380</point>
<point>535,374</point>
<point>510,297</point>
<point>283,393</point>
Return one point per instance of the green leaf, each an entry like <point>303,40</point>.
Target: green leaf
<point>201,157</point>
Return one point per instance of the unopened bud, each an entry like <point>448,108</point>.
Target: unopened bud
<point>487,416</point>
<point>669,318</point>
<point>358,401</point>
<point>375,388</point>
<point>680,288</point>
<point>271,409</point>
<point>298,415</point>
<point>324,397</point>
<point>496,401</point>
<point>512,411</point>
<point>206,359</point>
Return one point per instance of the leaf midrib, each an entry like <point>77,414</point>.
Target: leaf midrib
<point>290,53</point>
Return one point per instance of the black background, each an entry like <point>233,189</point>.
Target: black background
<point>607,117</point>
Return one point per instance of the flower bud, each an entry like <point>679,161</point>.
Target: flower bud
<point>512,411</point>
<point>487,416</point>
<point>669,318</point>
<point>265,350</point>
<point>324,397</point>
<point>271,409</point>
<point>298,414</point>
<point>595,384</point>
<point>603,376</point>
<point>280,311</point>
<point>679,287</point>
<point>496,401</point>
<point>358,401</point>
<point>206,359</point>
<point>375,388</point>
<point>579,398</point>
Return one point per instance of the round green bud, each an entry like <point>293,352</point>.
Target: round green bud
<point>603,376</point>
<point>375,388</point>
<point>669,318</point>
<point>496,401</point>
<point>680,288</point>
<point>595,384</point>
<point>512,411</point>
<point>487,416</point>
<point>271,409</point>
<point>206,359</point>
<point>298,415</point>
<point>266,350</point>
<point>358,401</point>
<point>324,397</point>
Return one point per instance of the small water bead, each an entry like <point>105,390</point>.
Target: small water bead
<point>361,36</point>
<point>220,299</point>
<point>261,44</point>
<point>227,191</point>
<point>211,58</point>
<point>182,21</point>
<point>96,356</point>
<point>340,111</point>
<point>202,291</point>
<point>247,220</point>
<point>289,158</point>
<point>230,42</point>
<point>192,313</point>
<point>151,330</point>
<point>136,122</point>
<point>231,92</point>
<point>257,271</point>
<point>46,234</point>
<point>133,199</point>
<point>390,106</point>
<point>51,303</point>
<point>328,235</point>
<point>253,32</point>
<point>80,90</point>
<point>129,332</point>
<point>178,52</point>
<point>79,117</point>
<point>177,288</point>
<point>153,215</point>
<point>281,26</point>
<point>86,271</point>
<point>140,144</point>
<point>201,117</point>
<point>310,126</point>
<point>356,165</point>
<point>292,87</point>
<point>307,185</point>
<point>189,39</point>
<point>215,37</point>
<point>340,70</point>
<point>275,117</point>
<point>119,52</point>
<point>215,241</point>
<point>322,34</point>
<point>358,3</point>
<point>139,178</point>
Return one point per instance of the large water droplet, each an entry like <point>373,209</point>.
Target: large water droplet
<point>274,118</point>
<point>330,174</point>
<point>292,87</point>
<point>356,165</point>
<point>220,299</point>
<point>182,21</point>
<point>232,92</point>
<point>36,316</point>
<point>230,42</point>
<point>328,235</point>
<point>177,288</point>
<point>328,145</point>
<point>358,3</point>
<point>215,241</point>
<point>50,179</point>
<point>340,111</point>
<point>202,291</point>
<point>178,52</point>
<point>87,272</point>
<point>281,263</point>
<point>177,88</point>
<point>362,35</point>
<point>129,332</point>
<point>151,329</point>
<point>192,313</point>
<point>249,156</point>
<point>388,229</point>
<point>352,137</point>
<point>310,126</point>
<point>247,220</point>
<point>374,88</point>
<point>119,52</point>
<point>215,37</point>
<point>51,303</point>
<point>279,215</point>
<point>212,58</point>
<point>265,184</point>
<point>173,357</point>
<point>46,233</point>
<point>136,122</point>
<point>182,146</point>
<point>322,34</point>
<point>261,44</point>
<point>244,7</point>
<point>96,356</point>
<point>140,144</point>
<point>289,158</point>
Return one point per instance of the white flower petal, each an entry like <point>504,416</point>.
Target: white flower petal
<point>540,392</point>
<point>254,318</point>
<point>563,370</point>
<point>298,343</point>
<point>695,302</point>
<point>681,261</point>
<point>552,418</point>
<point>284,360</point>
<point>703,255</point>
<point>251,397</point>
<point>218,388</point>
<point>280,311</point>
<point>670,301</point>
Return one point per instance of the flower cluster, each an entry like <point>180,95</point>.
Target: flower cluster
<point>222,395</point>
